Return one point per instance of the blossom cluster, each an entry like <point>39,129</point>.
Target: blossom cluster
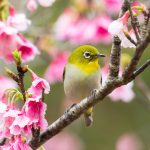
<point>78,27</point>
<point>10,29</point>
<point>17,121</point>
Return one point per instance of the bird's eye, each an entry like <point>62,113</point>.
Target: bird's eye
<point>87,55</point>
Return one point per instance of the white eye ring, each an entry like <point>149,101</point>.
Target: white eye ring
<point>87,54</point>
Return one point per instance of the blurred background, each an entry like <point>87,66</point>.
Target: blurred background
<point>122,120</point>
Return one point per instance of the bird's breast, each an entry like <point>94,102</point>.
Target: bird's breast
<point>78,84</point>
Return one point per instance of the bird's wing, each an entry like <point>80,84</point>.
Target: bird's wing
<point>64,73</point>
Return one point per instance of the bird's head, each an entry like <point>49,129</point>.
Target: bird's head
<point>85,54</point>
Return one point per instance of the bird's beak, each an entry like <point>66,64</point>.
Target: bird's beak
<point>99,55</point>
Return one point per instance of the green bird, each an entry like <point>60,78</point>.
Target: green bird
<point>82,75</point>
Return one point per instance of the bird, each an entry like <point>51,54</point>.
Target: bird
<point>82,75</point>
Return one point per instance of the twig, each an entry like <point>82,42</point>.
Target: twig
<point>133,22</point>
<point>21,82</point>
<point>146,21</point>
<point>130,39</point>
<point>124,8</point>
<point>137,55</point>
<point>142,68</point>
<point>115,58</point>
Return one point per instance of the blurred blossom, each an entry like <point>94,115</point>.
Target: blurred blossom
<point>81,29</point>
<point>9,34</point>
<point>124,93</point>
<point>54,73</point>
<point>129,142</point>
<point>64,141</point>
<point>112,6</point>
<point>33,4</point>
<point>16,41</point>
<point>6,83</point>
<point>18,21</point>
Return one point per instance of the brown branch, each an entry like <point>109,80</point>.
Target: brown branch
<point>130,39</point>
<point>146,21</point>
<point>115,58</point>
<point>124,8</point>
<point>142,68</point>
<point>133,22</point>
<point>137,55</point>
<point>21,82</point>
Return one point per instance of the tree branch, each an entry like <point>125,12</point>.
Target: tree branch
<point>137,55</point>
<point>115,58</point>
<point>142,68</point>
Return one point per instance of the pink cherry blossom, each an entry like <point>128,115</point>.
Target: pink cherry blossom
<point>55,70</point>
<point>16,41</point>
<point>7,120</point>
<point>118,26</point>
<point>129,142</point>
<point>9,33</point>
<point>35,110</point>
<point>80,29</point>
<point>32,115</point>
<point>20,123</point>
<point>124,93</point>
<point>38,85</point>
<point>16,144</point>
<point>64,141</point>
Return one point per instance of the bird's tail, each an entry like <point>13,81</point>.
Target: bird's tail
<point>88,116</point>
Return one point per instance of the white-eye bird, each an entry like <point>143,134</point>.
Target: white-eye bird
<point>82,75</point>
